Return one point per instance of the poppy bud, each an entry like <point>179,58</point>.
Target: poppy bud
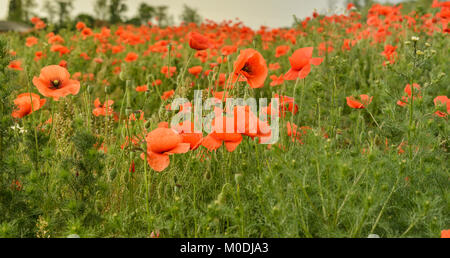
<point>198,42</point>
<point>132,168</point>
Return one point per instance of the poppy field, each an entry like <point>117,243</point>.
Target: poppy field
<point>352,141</point>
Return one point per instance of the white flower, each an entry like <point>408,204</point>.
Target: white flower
<point>17,127</point>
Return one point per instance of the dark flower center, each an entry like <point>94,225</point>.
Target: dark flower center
<point>56,84</point>
<point>246,68</point>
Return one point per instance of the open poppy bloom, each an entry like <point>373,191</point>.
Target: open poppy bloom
<point>281,50</point>
<point>131,57</point>
<point>86,32</point>
<point>55,39</point>
<point>103,109</point>
<point>30,41</point>
<point>365,100</point>
<point>26,104</point>
<point>220,135</point>
<point>389,53</point>
<point>442,101</point>
<point>198,42</point>
<point>408,89</point>
<point>276,80</point>
<point>62,50</point>
<point>167,94</point>
<point>39,25</point>
<point>250,66</point>
<point>38,55</point>
<point>168,72</point>
<point>301,61</point>
<point>161,143</point>
<point>404,101</point>
<point>195,70</point>
<point>80,25</point>
<point>54,81</point>
<point>15,65</point>
<point>142,88</point>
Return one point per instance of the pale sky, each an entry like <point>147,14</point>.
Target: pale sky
<point>272,13</point>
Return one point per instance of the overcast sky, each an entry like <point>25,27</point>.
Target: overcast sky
<point>272,13</point>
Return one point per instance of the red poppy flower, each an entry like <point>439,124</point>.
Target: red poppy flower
<point>281,50</point>
<point>167,94</point>
<point>274,66</point>
<point>219,135</point>
<point>131,57</point>
<point>142,88</point>
<point>325,47</point>
<point>295,133</point>
<point>195,70</point>
<point>161,143</point>
<point>276,80</point>
<point>408,89</point>
<point>442,101</point>
<point>80,25</point>
<point>55,39</point>
<point>63,63</point>
<point>38,55</point>
<point>198,42</point>
<point>301,62</point>
<point>15,65</point>
<point>26,104</point>
<point>251,66</point>
<point>35,20</point>
<point>86,32</point>
<point>103,109</point>
<point>404,101</point>
<point>30,41</point>
<point>365,101</point>
<point>168,72</point>
<point>85,56</point>
<point>60,48</point>
<point>54,81</point>
<point>39,25</point>
<point>389,53</point>
<point>157,82</point>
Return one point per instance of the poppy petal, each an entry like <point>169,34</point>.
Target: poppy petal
<point>231,146</point>
<point>180,148</point>
<point>211,143</point>
<point>316,61</point>
<point>304,72</point>
<point>291,75</point>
